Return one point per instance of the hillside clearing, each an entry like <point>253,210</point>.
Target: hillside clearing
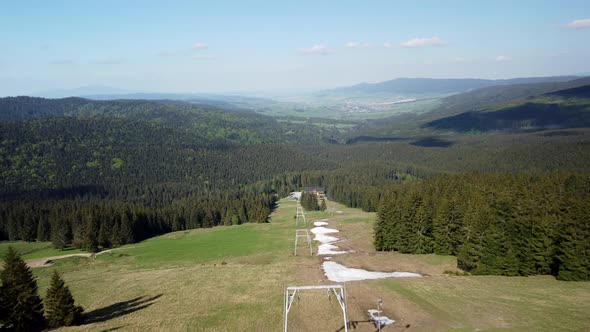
<point>233,278</point>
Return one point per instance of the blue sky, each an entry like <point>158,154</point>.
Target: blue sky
<point>274,46</point>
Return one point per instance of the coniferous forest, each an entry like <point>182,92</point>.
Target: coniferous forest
<point>99,174</point>
<point>494,223</point>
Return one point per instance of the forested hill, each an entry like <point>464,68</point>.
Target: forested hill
<point>97,174</point>
<point>568,108</point>
<point>62,152</point>
<point>210,123</point>
<point>497,95</point>
<point>415,86</point>
<point>454,111</point>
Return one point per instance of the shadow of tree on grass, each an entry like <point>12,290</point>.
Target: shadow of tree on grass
<point>120,309</point>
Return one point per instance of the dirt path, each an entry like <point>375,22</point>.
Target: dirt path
<point>47,261</point>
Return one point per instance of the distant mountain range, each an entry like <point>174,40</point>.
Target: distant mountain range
<point>414,86</point>
<point>397,87</point>
<point>81,91</point>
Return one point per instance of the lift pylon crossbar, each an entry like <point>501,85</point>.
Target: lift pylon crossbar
<point>300,215</point>
<point>338,290</point>
<point>302,233</point>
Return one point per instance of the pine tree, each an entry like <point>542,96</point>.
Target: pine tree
<point>43,229</point>
<point>314,205</point>
<point>60,309</point>
<point>440,228</point>
<point>61,233</point>
<point>28,229</point>
<point>126,228</point>
<point>91,233</point>
<point>422,228</point>
<point>408,231</point>
<point>323,206</point>
<point>103,232</point>
<point>20,302</point>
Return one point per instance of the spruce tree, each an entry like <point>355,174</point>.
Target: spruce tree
<point>61,233</point>
<point>91,235</point>
<point>60,309</point>
<point>20,303</point>
<point>422,228</point>
<point>313,202</point>
<point>43,229</point>
<point>440,228</point>
<point>323,206</point>
<point>126,228</point>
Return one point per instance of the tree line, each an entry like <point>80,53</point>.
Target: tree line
<point>502,224</point>
<point>310,202</point>
<point>92,223</point>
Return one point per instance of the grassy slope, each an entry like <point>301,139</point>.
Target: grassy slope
<point>232,278</point>
<point>31,250</point>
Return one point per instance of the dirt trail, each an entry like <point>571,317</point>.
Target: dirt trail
<point>47,261</point>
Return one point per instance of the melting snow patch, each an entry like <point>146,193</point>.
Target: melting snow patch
<point>328,249</point>
<point>320,234</point>
<point>382,320</point>
<point>340,273</point>
<point>323,230</point>
<point>320,223</point>
<point>325,238</point>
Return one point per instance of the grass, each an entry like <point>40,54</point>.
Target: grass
<point>204,246</point>
<point>31,250</point>
<point>537,303</point>
<point>233,278</point>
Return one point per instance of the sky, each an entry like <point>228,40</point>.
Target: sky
<point>280,46</point>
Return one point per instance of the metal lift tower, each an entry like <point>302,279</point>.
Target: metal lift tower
<point>303,233</point>
<point>300,215</point>
<point>339,293</point>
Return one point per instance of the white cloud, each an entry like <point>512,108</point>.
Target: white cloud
<point>317,49</point>
<point>579,24</point>
<point>503,58</point>
<point>387,45</point>
<point>421,42</point>
<point>200,46</point>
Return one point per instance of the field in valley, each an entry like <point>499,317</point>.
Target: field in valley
<point>233,279</point>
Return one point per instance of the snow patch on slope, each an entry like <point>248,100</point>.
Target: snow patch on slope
<point>340,273</point>
<point>329,249</point>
